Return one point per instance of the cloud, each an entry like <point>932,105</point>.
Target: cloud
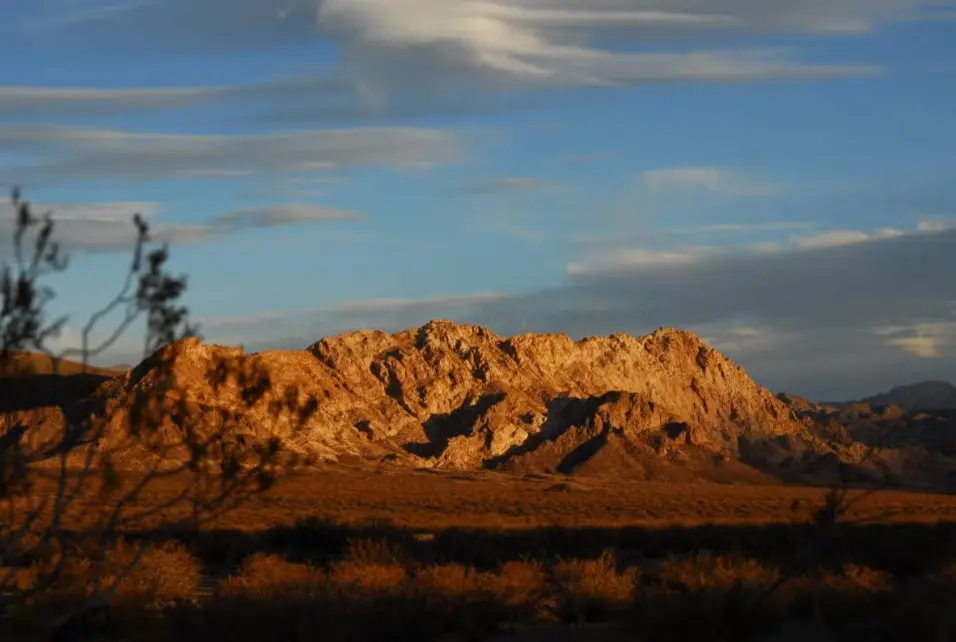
<point>413,58</point>
<point>806,320</point>
<point>741,228</point>
<point>634,259</point>
<point>484,25</point>
<point>71,15</point>
<point>105,212</point>
<point>86,226</point>
<point>710,179</point>
<point>927,225</point>
<point>72,154</point>
<point>277,216</point>
<point>106,227</point>
<point>844,237</point>
<point>920,346</point>
<point>618,259</point>
<point>924,340</point>
<point>505,185</point>
<point>44,102</point>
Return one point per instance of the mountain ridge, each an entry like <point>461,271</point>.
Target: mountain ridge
<point>920,395</point>
<point>455,396</point>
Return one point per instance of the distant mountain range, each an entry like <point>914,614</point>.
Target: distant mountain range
<point>925,395</point>
<point>30,363</point>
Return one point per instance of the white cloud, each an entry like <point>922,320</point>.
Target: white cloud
<point>925,347</point>
<point>932,225</point>
<point>541,43</point>
<point>413,57</point>
<point>711,179</point>
<point>832,238</point>
<point>925,340</point>
<point>639,259</point>
<point>117,155</point>
<point>845,237</point>
<point>635,259</point>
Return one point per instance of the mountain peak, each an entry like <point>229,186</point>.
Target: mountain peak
<point>924,395</point>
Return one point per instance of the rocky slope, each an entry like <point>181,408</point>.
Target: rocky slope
<point>886,443</point>
<point>663,406</point>
<point>458,396</point>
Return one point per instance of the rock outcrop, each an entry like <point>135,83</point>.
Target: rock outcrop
<point>459,396</point>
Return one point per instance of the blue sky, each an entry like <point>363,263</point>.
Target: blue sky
<point>531,165</point>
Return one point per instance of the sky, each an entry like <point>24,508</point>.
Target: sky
<point>776,176</point>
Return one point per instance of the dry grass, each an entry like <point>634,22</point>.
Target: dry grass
<point>162,575</point>
<point>433,556</point>
<point>451,582</point>
<point>521,587</point>
<point>589,589</point>
<point>367,580</point>
<point>368,594</point>
<point>264,576</point>
<point>374,552</point>
<point>707,571</point>
<point>851,579</point>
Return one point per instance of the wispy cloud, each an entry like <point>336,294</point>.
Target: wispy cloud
<point>97,154</point>
<point>846,237</point>
<point>106,227</point>
<point>505,185</point>
<point>610,260</point>
<point>925,340</point>
<point>711,179</point>
<point>636,259</point>
<point>66,15</point>
<point>413,57</point>
<point>741,228</point>
<point>36,102</point>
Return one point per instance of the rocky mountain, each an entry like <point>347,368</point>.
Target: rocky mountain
<point>926,395</point>
<point>662,406</point>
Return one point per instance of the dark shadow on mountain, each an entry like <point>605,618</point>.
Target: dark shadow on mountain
<point>563,412</point>
<point>441,428</point>
<point>583,453</point>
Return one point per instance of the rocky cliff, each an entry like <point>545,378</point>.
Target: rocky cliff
<point>458,396</point>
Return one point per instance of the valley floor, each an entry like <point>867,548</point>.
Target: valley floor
<point>496,501</point>
<point>348,554</point>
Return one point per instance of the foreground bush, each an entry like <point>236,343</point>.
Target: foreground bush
<point>592,589</point>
